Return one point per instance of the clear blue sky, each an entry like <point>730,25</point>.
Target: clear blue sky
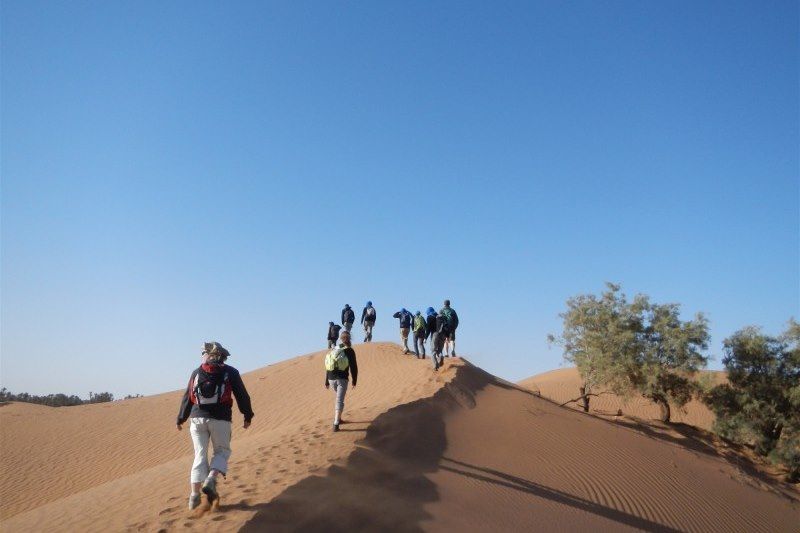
<point>174,172</point>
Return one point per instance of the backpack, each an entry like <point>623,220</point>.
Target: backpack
<point>370,314</point>
<point>211,388</point>
<point>349,315</point>
<point>336,359</point>
<point>419,323</point>
<point>450,317</point>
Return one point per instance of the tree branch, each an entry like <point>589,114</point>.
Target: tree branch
<point>584,396</point>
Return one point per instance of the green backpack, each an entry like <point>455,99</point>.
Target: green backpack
<point>419,323</point>
<point>336,359</point>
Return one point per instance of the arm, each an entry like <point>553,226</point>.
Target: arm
<point>242,398</point>
<point>363,312</point>
<point>353,365</point>
<point>186,404</point>
<point>396,315</point>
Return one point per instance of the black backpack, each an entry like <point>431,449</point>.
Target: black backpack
<point>211,388</point>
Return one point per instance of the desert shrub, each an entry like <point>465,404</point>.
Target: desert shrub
<point>760,404</point>
<point>633,347</point>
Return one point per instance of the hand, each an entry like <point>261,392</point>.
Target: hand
<point>179,426</point>
<point>246,424</point>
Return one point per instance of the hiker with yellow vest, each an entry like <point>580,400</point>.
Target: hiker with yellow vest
<point>339,362</point>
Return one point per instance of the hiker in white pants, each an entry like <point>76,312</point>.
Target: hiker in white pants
<point>208,403</point>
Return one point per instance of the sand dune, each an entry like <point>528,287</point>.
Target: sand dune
<point>457,450</point>
<point>562,385</point>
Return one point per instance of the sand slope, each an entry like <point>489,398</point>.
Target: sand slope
<point>563,385</point>
<point>458,450</point>
<point>124,465</point>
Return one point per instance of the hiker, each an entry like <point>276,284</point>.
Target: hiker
<point>348,317</point>
<point>338,364</point>
<point>430,325</point>
<point>368,316</point>
<point>452,324</point>
<point>405,326</point>
<point>420,331</point>
<point>208,405</point>
<point>333,334</point>
<point>442,332</point>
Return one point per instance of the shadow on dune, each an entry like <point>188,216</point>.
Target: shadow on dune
<point>700,441</point>
<point>383,484</point>
<point>523,485</point>
<point>693,439</point>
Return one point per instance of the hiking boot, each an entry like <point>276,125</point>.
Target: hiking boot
<point>335,428</point>
<point>194,501</point>
<point>210,489</point>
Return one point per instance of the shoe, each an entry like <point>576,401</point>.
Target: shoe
<point>335,428</point>
<point>194,501</point>
<point>210,489</point>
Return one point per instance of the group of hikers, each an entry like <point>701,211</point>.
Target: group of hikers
<point>207,402</point>
<point>437,328</point>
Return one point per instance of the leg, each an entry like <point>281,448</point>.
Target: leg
<point>340,389</point>
<point>221,443</point>
<point>404,336</point>
<point>198,428</point>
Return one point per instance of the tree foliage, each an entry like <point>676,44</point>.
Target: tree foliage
<point>633,347</point>
<point>54,400</point>
<point>760,404</point>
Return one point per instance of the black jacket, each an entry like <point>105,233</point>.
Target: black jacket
<point>345,374</point>
<point>348,315</point>
<point>364,315</point>
<point>431,323</point>
<point>333,332</point>
<point>405,318</point>
<point>219,411</point>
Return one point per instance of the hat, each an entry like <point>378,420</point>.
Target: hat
<point>369,304</point>
<point>215,351</point>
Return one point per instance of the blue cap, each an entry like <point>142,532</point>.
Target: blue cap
<point>404,310</point>
<point>369,304</point>
<point>431,311</point>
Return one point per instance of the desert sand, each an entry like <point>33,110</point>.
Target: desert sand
<point>454,450</point>
<point>562,385</point>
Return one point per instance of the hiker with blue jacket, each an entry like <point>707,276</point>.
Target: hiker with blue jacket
<point>442,332</point>
<point>339,362</point>
<point>405,326</point>
<point>420,331</point>
<point>348,317</point>
<point>208,405</point>
<point>431,325</point>
<point>368,316</point>
<point>451,317</point>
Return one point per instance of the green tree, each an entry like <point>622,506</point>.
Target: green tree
<point>635,347</point>
<point>760,404</point>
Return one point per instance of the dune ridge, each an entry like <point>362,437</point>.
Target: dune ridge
<point>457,450</point>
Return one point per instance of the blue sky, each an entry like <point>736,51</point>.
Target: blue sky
<point>174,172</point>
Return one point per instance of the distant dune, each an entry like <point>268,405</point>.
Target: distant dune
<point>458,450</point>
<point>563,385</point>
